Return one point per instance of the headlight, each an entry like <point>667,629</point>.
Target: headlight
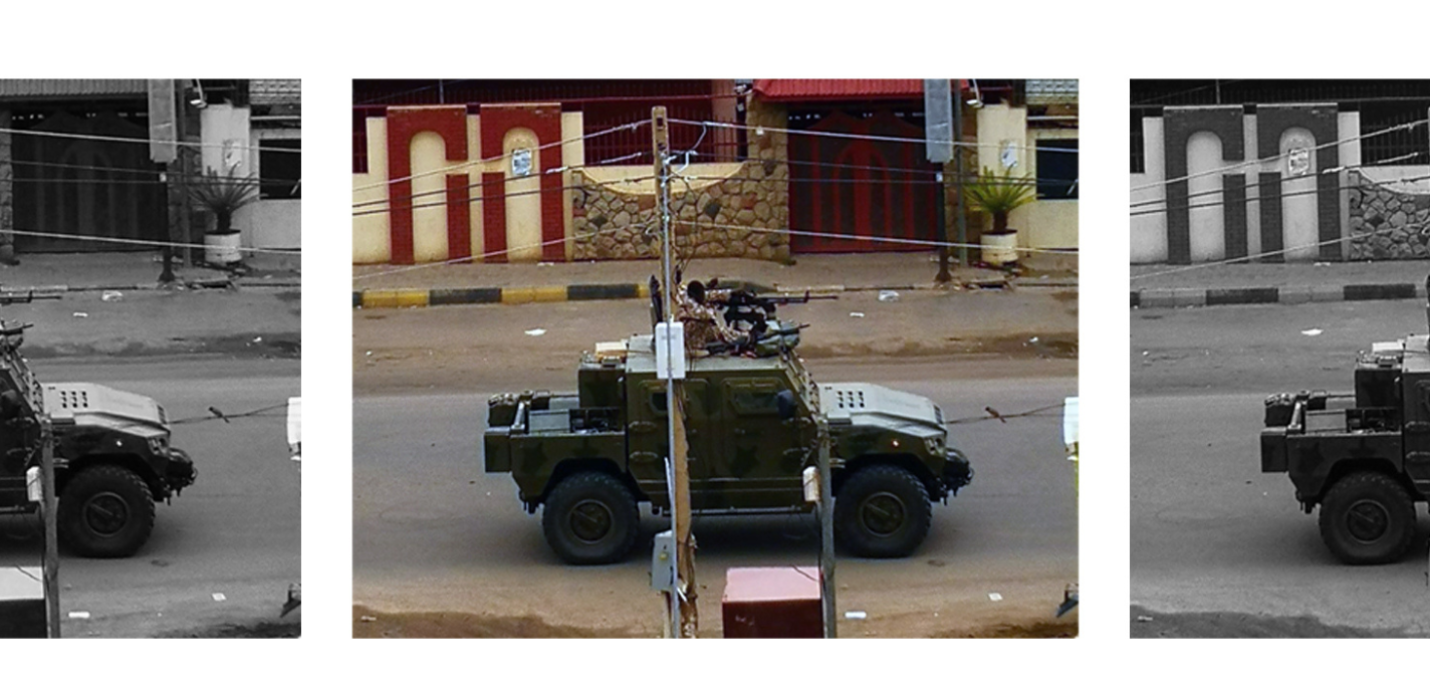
<point>934,445</point>
<point>159,444</point>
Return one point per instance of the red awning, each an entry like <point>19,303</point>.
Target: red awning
<point>786,90</point>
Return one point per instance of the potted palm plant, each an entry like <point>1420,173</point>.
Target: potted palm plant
<point>998,195</point>
<point>223,195</point>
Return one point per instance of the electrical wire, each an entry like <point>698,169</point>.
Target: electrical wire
<point>864,137</point>
<point>513,194</point>
<point>1292,194</point>
<point>202,178</point>
<point>889,240</point>
<point>473,163</point>
<point>1257,184</point>
<point>139,242</point>
<point>1278,156</point>
<point>489,254</point>
<point>1265,254</point>
<point>121,139</point>
<point>482,184</point>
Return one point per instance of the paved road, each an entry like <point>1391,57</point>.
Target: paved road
<point>235,532</point>
<point>431,532</point>
<point>1210,533</point>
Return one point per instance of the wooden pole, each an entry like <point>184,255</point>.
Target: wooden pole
<point>826,533</point>
<point>51,571</point>
<point>684,616</point>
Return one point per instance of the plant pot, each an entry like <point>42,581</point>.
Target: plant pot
<point>222,249</point>
<point>1000,249</point>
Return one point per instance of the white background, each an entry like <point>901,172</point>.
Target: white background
<point>329,44</point>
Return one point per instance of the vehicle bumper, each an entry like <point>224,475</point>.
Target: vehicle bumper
<point>957,472</point>
<point>180,472</point>
<point>1273,450</point>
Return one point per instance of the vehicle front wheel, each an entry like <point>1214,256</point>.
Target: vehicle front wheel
<point>106,512</point>
<point>590,518</point>
<point>1367,518</point>
<point>882,511</point>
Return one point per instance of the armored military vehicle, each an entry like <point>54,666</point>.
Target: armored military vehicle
<point>590,457</point>
<point>1363,456</point>
<point>112,455</point>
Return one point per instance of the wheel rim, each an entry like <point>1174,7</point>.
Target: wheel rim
<point>1367,520</point>
<point>106,513</point>
<point>882,513</point>
<point>590,520</point>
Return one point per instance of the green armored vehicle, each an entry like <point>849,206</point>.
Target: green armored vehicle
<point>589,458</point>
<point>112,455</point>
<point>1363,456</point>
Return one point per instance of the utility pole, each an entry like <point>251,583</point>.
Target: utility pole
<point>940,128</point>
<point>683,614</point>
<point>826,531</point>
<point>51,573</point>
<point>962,217</point>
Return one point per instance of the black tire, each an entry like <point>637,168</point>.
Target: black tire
<point>882,512</point>
<point>590,518</point>
<point>1368,518</point>
<point>106,512</point>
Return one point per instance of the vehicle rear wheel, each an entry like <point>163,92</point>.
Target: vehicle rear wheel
<point>590,518</point>
<point>1367,518</point>
<point>882,511</point>
<point>106,512</point>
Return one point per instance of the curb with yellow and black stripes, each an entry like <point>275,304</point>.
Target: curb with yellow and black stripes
<point>417,298</point>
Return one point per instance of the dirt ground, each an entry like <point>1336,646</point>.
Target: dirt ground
<point>370,623</point>
<point>453,347</point>
<point>1151,624</point>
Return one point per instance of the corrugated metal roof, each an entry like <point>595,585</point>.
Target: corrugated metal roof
<point>839,89</point>
<point>40,88</point>
<point>275,91</point>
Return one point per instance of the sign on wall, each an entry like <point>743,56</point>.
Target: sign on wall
<point>521,162</point>
<point>1298,161</point>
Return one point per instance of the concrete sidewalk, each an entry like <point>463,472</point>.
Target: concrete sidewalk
<point>422,285</point>
<point>140,270</point>
<point>1165,286</point>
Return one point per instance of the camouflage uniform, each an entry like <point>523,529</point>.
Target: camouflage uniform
<point>703,324</point>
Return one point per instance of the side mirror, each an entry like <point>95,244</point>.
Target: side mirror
<point>785,404</point>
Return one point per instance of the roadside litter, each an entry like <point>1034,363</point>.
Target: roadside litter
<point>111,296</point>
<point>536,332</point>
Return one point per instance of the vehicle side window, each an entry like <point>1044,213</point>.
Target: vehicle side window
<point>754,397</point>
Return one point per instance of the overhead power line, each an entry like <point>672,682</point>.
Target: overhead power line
<point>477,199</point>
<point>473,163</point>
<point>872,239</point>
<point>862,137</point>
<point>1306,192</point>
<point>138,242</point>
<point>135,171</point>
<point>1278,156</point>
<point>1264,254</point>
<point>120,139</point>
<point>482,184</point>
<point>1256,184</point>
<point>489,254</point>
